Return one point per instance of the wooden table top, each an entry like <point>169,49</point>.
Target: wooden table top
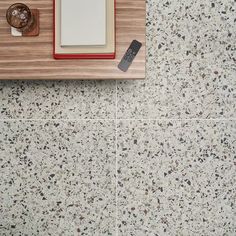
<point>32,57</point>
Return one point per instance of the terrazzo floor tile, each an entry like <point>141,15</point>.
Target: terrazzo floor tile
<point>57,178</point>
<point>57,99</point>
<point>176,178</point>
<point>191,66</point>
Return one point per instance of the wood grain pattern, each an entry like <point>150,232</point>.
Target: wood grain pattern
<point>31,58</point>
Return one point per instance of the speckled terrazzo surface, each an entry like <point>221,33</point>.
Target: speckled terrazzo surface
<point>154,157</point>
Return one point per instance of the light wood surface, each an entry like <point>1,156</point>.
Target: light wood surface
<point>31,57</point>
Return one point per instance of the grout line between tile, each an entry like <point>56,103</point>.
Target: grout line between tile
<point>171,119</point>
<point>117,119</point>
<point>116,168</point>
<point>57,120</point>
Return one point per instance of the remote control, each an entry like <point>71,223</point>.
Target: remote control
<point>129,56</point>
